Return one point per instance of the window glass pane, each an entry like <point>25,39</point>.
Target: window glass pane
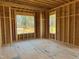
<point>53,23</point>
<point>25,24</point>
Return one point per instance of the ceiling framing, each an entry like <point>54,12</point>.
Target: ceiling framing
<point>46,4</point>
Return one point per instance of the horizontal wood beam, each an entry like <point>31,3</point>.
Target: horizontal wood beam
<point>63,5</point>
<point>21,6</point>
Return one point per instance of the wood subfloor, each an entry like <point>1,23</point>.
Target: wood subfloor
<point>38,49</point>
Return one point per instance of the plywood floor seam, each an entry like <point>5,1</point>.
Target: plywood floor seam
<point>38,49</point>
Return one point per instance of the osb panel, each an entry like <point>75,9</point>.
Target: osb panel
<point>6,10</point>
<point>66,10</point>
<point>71,29</point>
<point>45,25</point>
<point>66,29</point>
<point>58,12</point>
<point>70,32</point>
<point>58,28</point>
<point>13,29</point>
<point>0,34</point>
<point>77,7</point>
<point>43,29</point>
<point>2,30</point>
<point>77,30</point>
<point>61,11</point>
<point>47,28</point>
<point>61,29</point>
<point>1,11</point>
<point>7,28</point>
<point>12,13</point>
<point>66,16</point>
<point>37,24</point>
<point>72,9</point>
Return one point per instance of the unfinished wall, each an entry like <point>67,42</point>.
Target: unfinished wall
<point>45,24</point>
<point>36,33</point>
<point>0,34</point>
<point>7,22</point>
<point>68,23</point>
<point>37,25</point>
<point>8,25</point>
<point>52,35</point>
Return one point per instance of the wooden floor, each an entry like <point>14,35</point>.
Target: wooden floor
<point>38,49</point>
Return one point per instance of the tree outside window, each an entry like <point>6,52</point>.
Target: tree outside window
<point>25,24</point>
<point>52,23</point>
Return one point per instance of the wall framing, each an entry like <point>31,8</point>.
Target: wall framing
<point>68,28</point>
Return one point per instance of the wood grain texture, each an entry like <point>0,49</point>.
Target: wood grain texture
<point>68,26</point>
<point>42,4</point>
<point>38,49</point>
<point>45,19</point>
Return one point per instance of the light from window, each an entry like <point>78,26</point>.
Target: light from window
<point>52,23</point>
<point>25,24</point>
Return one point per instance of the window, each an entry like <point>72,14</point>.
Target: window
<point>25,24</point>
<point>52,23</point>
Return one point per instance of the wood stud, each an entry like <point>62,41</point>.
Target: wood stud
<point>67,24</point>
<point>70,23</point>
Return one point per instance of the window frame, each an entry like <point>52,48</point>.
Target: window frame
<point>25,14</point>
<point>52,13</point>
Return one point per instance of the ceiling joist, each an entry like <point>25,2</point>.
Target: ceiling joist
<point>42,4</point>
